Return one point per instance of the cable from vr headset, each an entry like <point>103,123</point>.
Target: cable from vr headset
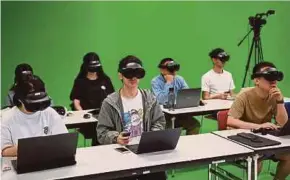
<point>270,74</point>
<point>132,70</point>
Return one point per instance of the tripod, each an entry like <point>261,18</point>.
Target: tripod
<point>256,46</point>
<point>256,22</point>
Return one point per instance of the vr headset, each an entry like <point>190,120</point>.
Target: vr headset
<point>171,66</point>
<point>270,74</point>
<point>133,70</point>
<point>94,66</point>
<point>36,101</point>
<point>222,56</point>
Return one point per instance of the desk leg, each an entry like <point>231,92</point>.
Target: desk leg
<point>94,138</point>
<point>255,159</point>
<point>209,173</point>
<point>173,122</point>
<point>249,164</point>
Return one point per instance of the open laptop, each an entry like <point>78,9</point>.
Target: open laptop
<point>154,141</point>
<point>188,98</point>
<point>45,152</point>
<point>284,131</point>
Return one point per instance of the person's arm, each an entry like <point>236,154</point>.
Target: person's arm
<point>184,85</point>
<point>75,95</point>
<point>281,115</point>
<point>232,87</point>
<point>158,118</point>
<point>160,91</point>
<point>77,104</point>
<point>57,126</point>
<point>7,147</point>
<point>106,130</point>
<point>236,112</point>
<point>207,96</point>
<point>110,86</point>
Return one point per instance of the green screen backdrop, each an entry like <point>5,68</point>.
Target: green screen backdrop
<point>54,36</point>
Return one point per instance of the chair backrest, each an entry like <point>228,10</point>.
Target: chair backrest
<point>222,117</point>
<point>287,106</point>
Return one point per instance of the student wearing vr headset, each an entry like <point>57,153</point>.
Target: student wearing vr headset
<point>31,116</point>
<point>127,113</point>
<point>217,83</point>
<point>22,73</point>
<point>255,107</point>
<point>160,87</point>
<point>92,85</point>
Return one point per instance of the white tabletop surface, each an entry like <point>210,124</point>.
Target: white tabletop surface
<point>210,105</point>
<point>101,159</point>
<point>77,118</point>
<point>285,140</point>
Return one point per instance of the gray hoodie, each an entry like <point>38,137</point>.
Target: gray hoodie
<point>110,123</point>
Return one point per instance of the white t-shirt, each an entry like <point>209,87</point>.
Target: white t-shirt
<point>216,83</point>
<point>133,115</point>
<point>17,125</point>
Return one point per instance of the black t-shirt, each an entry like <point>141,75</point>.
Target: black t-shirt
<point>90,92</point>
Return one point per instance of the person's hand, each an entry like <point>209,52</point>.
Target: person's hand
<point>268,126</point>
<point>169,78</point>
<point>276,94</point>
<point>122,140</point>
<point>222,96</point>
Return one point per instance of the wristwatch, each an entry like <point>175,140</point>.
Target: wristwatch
<point>280,101</point>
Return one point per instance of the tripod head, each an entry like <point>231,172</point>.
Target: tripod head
<point>258,21</point>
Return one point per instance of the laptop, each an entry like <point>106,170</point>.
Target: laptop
<point>154,141</point>
<point>283,131</point>
<point>45,152</point>
<point>188,98</point>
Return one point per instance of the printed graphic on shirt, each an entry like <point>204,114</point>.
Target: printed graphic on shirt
<point>133,122</point>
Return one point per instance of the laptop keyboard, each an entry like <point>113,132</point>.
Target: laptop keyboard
<point>133,147</point>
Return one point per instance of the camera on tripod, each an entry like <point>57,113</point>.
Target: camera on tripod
<point>258,20</point>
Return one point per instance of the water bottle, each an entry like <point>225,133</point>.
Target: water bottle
<point>171,99</point>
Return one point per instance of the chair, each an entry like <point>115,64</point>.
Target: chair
<point>222,117</point>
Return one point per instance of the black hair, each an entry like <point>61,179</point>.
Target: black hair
<point>215,52</point>
<point>23,88</point>
<point>128,59</point>
<point>18,77</point>
<point>91,56</point>
<point>165,60</point>
<point>261,65</point>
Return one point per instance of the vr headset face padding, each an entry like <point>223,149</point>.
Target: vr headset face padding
<point>94,66</point>
<point>133,70</point>
<point>170,66</point>
<point>270,74</point>
<point>36,101</point>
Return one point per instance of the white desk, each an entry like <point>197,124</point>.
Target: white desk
<point>76,120</point>
<point>103,162</point>
<point>285,143</point>
<point>210,106</point>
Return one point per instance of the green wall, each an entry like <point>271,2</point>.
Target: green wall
<point>53,37</point>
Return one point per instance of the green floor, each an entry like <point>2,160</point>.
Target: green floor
<point>201,173</point>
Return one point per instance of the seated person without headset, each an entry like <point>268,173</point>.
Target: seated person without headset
<point>254,108</point>
<point>31,116</point>
<point>160,87</point>
<point>130,110</point>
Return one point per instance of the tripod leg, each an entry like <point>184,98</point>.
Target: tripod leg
<point>248,63</point>
<point>261,50</point>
